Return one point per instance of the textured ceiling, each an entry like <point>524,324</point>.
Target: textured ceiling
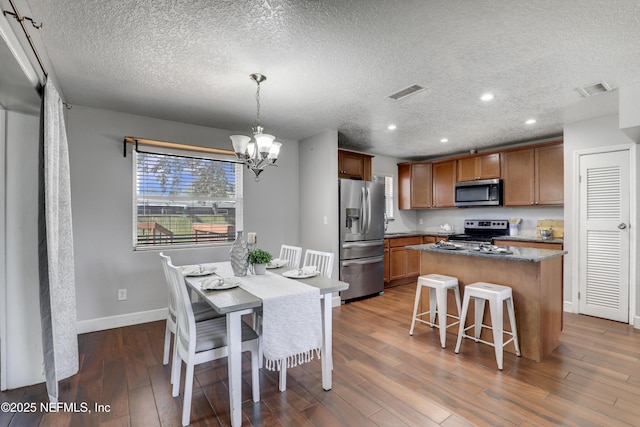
<point>332,64</point>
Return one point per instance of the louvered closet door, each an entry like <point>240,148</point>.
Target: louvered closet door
<point>604,235</point>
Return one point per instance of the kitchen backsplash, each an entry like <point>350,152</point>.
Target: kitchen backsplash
<point>432,219</point>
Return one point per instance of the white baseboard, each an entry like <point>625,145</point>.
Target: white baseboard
<point>336,301</point>
<point>567,306</point>
<point>636,322</point>
<point>111,322</point>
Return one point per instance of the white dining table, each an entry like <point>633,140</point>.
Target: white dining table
<point>236,302</point>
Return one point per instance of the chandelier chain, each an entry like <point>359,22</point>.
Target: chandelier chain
<point>257,124</point>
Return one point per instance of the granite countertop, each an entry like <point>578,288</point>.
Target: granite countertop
<point>525,238</point>
<point>391,235</point>
<point>518,254</point>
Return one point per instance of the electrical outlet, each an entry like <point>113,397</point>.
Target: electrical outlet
<point>325,220</point>
<point>420,221</point>
<point>122,294</point>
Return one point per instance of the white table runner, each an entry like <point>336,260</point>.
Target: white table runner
<point>291,319</point>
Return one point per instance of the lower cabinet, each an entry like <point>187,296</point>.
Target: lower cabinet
<point>402,266</point>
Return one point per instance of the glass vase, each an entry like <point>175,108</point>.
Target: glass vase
<point>239,256</point>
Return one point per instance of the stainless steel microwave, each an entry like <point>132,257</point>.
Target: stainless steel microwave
<point>487,192</point>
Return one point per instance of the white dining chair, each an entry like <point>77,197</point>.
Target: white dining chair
<point>323,261</point>
<point>292,254</point>
<point>202,342</point>
<point>201,311</point>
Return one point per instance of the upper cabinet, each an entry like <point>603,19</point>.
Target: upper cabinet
<point>414,186</point>
<point>444,182</point>
<point>352,165</point>
<point>485,166</point>
<point>534,176</point>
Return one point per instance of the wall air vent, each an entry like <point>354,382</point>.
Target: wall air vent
<point>594,89</point>
<point>403,93</point>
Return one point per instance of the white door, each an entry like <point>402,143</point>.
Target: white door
<point>604,235</point>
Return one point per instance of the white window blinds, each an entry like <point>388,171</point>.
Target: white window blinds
<point>388,193</point>
<point>182,200</point>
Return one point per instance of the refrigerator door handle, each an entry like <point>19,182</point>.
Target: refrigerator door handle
<point>362,262</point>
<point>368,208</point>
<point>365,212</point>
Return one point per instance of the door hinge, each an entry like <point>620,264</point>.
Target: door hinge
<point>578,295</point>
<point>579,178</point>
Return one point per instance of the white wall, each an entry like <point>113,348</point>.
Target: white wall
<point>319,194</point>
<point>23,360</point>
<point>101,192</point>
<point>588,134</point>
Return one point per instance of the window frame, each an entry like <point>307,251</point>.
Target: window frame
<point>239,213</point>
<point>389,194</point>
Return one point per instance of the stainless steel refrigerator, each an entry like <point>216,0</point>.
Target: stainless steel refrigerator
<point>361,238</point>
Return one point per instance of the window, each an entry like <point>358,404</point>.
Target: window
<point>388,193</point>
<point>182,200</point>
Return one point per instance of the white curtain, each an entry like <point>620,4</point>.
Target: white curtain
<point>57,284</point>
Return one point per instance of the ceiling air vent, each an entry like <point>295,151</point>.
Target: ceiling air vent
<point>403,93</point>
<point>594,89</point>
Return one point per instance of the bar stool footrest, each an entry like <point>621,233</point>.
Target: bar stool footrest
<point>436,325</point>
<point>471,337</point>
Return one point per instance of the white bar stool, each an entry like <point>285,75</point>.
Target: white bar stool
<point>439,285</point>
<point>496,295</point>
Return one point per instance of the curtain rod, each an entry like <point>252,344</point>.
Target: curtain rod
<point>155,143</point>
<point>21,20</point>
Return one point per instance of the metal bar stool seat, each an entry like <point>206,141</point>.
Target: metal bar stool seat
<point>438,285</point>
<point>496,295</point>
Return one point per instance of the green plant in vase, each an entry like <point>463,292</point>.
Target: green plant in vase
<point>259,259</point>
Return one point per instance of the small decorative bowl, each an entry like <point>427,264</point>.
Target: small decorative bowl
<point>546,234</point>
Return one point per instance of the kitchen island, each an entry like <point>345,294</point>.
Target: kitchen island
<point>535,275</point>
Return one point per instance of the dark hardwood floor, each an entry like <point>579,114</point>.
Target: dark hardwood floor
<point>381,377</point>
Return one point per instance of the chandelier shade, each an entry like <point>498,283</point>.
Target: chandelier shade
<point>263,151</point>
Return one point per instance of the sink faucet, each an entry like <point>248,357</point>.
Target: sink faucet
<point>386,221</point>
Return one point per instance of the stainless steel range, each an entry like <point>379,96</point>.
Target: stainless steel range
<point>481,230</point>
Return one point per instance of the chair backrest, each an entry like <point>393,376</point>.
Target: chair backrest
<point>291,253</point>
<point>322,260</point>
<point>170,290</point>
<point>186,333</point>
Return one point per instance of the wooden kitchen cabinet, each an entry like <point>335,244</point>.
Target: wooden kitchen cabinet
<point>404,265</point>
<point>550,175</point>
<point>534,176</point>
<point>420,185</point>
<point>352,165</point>
<point>414,186</point>
<point>486,166</point>
<point>443,175</point>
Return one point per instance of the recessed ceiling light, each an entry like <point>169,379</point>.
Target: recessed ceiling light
<point>530,121</point>
<point>391,127</point>
<point>487,97</point>
<point>443,140</point>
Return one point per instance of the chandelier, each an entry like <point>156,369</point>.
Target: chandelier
<point>261,152</point>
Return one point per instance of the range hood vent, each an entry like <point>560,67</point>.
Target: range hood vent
<point>403,93</point>
<point>594,89</point>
